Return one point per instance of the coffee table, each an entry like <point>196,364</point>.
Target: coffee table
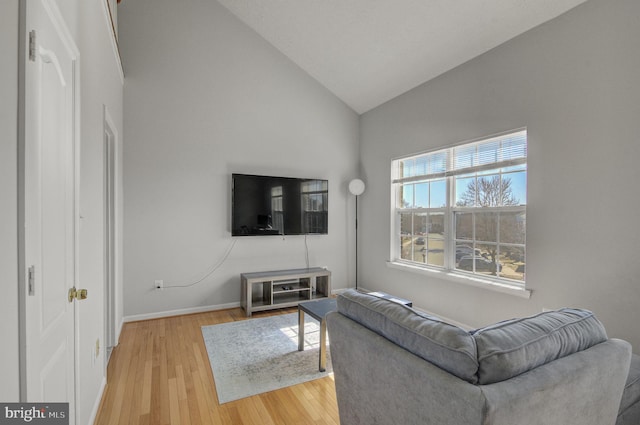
<point>317,309</point>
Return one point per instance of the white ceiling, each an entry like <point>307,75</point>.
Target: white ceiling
<point>369,51</point>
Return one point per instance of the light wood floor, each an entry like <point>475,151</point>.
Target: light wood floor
<point>160,374</point>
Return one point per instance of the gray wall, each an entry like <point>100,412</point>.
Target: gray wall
<point>205,96</point>
<point>9,389</point>
<point>573,82</point>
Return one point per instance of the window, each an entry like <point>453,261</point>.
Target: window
<point>463,209</point>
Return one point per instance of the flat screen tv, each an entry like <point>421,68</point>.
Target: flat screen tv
<point>267,205</point>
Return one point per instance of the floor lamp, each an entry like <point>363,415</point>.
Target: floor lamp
<point>356,187</point>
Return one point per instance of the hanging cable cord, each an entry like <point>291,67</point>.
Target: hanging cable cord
<point>209,273</point>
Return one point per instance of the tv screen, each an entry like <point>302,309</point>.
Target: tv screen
<point>265,205</point>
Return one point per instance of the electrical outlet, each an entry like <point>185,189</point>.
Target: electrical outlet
<point>158,284</point>
<point>97,347</point>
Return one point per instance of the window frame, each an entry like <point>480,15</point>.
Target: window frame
<point>449,266</point>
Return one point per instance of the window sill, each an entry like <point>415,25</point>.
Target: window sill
<point>463,279</point>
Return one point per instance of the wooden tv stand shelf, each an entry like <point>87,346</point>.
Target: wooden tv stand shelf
<point>283,288</point>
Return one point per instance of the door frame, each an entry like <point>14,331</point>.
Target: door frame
<point>111,193</point>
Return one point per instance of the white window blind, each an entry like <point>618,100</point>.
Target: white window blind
<point>488,154</point>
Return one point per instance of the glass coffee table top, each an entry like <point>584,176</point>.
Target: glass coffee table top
<point>318,308</point>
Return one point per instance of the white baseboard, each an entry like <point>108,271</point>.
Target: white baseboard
<point>96,405</point>
<point>190,310</point>
<point>119,331</point>
<point>179,312</point>
<point>339,291</point>
<point>204,309</point>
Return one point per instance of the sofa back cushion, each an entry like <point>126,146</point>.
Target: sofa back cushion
<point>507,349</point>
<point>447,346</point>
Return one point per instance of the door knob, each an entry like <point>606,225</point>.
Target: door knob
<point>80,294</point>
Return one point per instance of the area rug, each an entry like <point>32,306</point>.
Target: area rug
<point>254,356</point>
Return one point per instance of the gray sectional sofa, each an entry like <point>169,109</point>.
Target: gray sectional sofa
<point>629,413</point>
<point>396,365</point>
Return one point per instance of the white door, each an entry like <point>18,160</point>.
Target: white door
<point>50,206</point>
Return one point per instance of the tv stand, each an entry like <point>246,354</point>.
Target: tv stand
<point>263,291</point>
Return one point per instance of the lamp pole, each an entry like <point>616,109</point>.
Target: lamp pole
<point>356,187</point>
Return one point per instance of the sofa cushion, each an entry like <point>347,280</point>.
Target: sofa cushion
<point>509,348</point>
<point>447,346</point>
<point>631,394</point>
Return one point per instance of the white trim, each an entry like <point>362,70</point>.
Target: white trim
<point>179,312</point>
<point>114,41</point>
<point>110,128</point>
<point>119,331</point>
<point>96,404</point>
<point>341,290</point>
<point>463,279</point>
<point>190,310</point>
<point>360,288</point>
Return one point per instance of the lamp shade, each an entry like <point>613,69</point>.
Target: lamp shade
<point>356,187</point>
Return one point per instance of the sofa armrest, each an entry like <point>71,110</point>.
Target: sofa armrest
<point>378,382</point>
<point>583,388</point>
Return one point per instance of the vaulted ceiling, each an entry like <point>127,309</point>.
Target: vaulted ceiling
<point>369,51</point>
